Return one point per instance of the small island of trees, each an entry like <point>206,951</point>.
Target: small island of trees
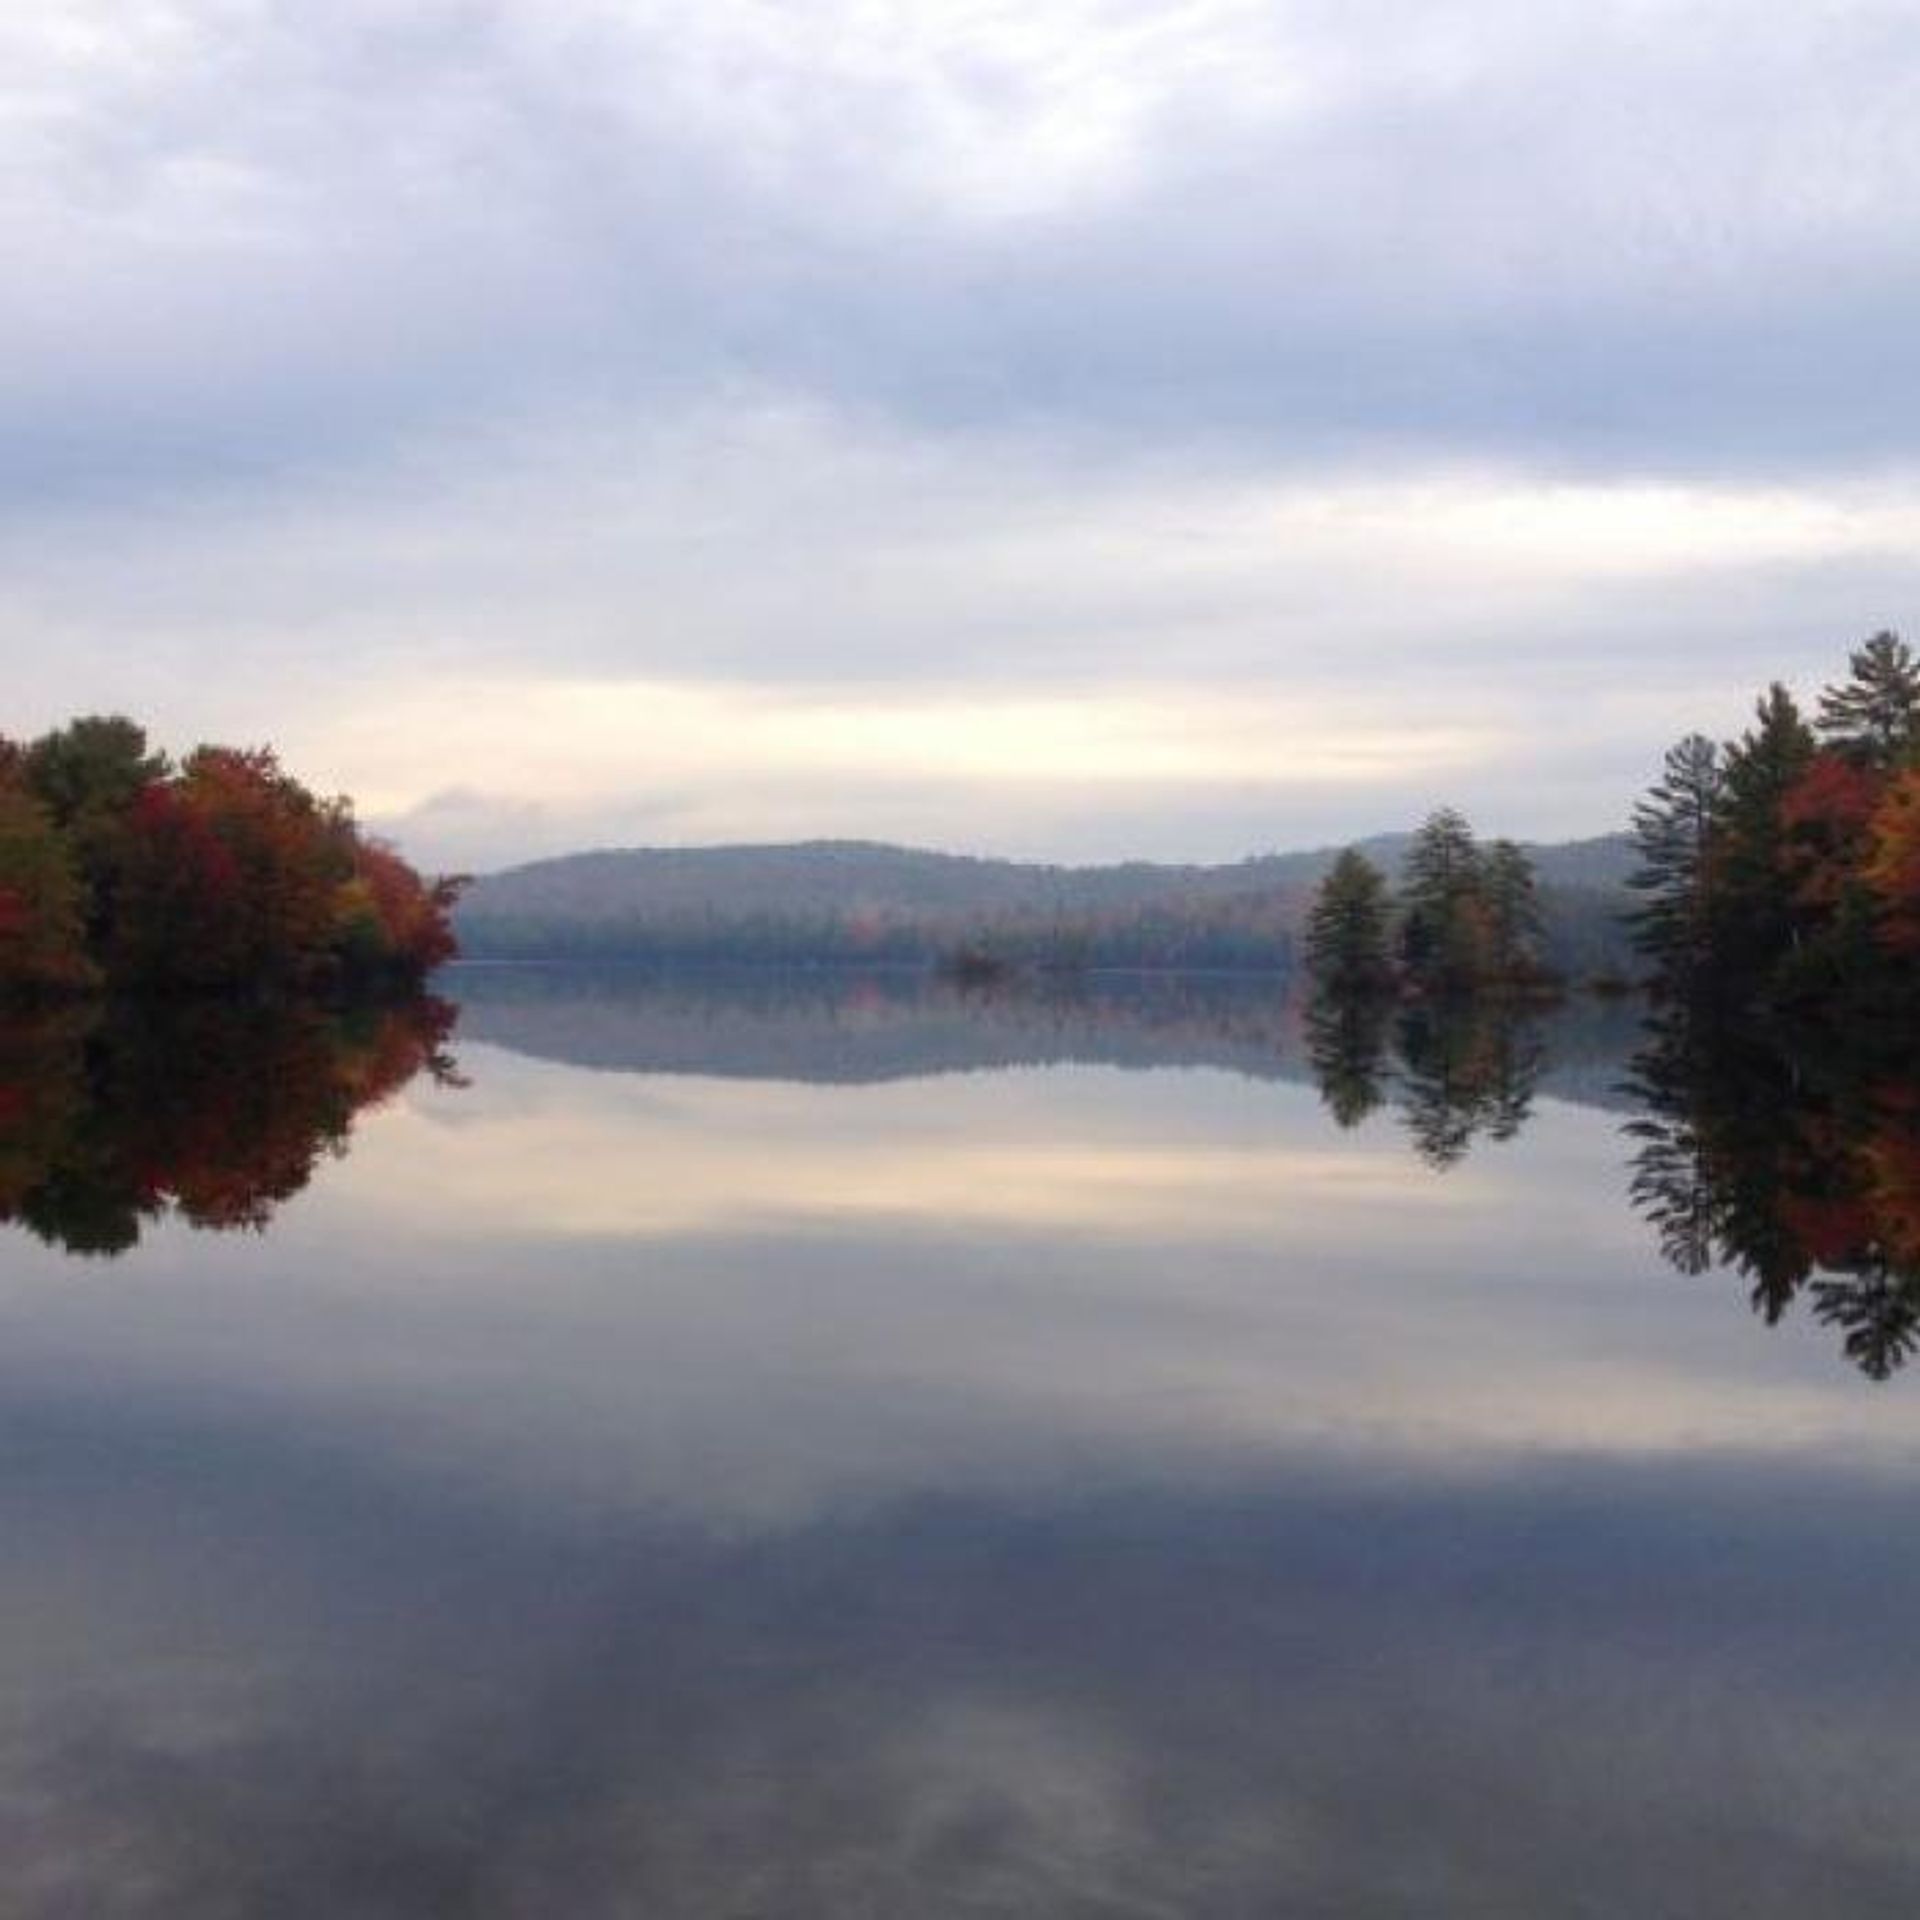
<point>1466,919</point>
<point>122,870</point>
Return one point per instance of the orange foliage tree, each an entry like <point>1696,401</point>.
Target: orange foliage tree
<point>1892,866</point>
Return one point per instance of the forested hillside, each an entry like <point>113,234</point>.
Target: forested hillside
<point>856,900</point>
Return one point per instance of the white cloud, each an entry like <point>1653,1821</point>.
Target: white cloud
<point>762,621</point>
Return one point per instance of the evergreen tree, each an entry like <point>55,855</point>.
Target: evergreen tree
<point>1514,921</point>
<point>1672,827</point>
<point>1346,945</point>
<point>92,766</point>
<point>1443,931</point>
<point>1752,918</point>
<point>1873,717</point>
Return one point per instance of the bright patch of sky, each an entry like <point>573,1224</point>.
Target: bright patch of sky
<point>1078,430</point>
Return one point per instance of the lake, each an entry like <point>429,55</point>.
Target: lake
<point>821,1446</point>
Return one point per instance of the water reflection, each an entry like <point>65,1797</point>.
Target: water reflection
<point>113,1118</point>
<point>1795,1161</point>
<point>755,1451</point>
<point>1457,1071</point>
<point>830,1028</point>
<point>1788,1165</point>
<point>1795,1166</point>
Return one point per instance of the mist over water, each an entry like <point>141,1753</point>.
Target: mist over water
<point>809,1446</point>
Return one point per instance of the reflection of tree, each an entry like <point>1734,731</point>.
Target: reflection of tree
<point>110,1120</point>
<point>1346,1048</point>
<point>1877,1314</point>
<point>1462,1068</point>
<point>1467,1068</point>
<point>1795,1164</point>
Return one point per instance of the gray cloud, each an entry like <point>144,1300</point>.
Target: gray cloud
<point>1632,235</point>
<point>351,355</point>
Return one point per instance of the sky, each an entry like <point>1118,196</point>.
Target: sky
<point>1079,429</point>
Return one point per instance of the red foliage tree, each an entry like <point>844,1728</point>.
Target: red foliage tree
<point>1825,818</point>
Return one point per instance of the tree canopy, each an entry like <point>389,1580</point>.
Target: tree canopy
<point>1466,918</point>
<point>118,867</point>
<point>1782,870</point>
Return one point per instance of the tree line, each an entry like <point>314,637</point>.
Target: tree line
<point>1780,872</point>
<point>1250,933</point>
<point>120,868</point>
<point>1465,918</point>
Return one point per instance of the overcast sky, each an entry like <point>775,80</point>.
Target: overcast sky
<point>1076,428</point>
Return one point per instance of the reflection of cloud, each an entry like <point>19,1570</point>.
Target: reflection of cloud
<point>752,1304</point>
<point>1301,1697</point>
<point>1218,1516</point>
<point>724,1158</point>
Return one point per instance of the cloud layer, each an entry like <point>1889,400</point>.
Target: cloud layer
<point>1503,363</point>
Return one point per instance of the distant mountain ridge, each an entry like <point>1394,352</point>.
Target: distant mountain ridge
<point>853,898</point>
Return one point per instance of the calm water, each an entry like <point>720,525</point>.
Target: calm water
<point>815,1448</point>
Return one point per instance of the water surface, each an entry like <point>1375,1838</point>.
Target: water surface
<point>815,1447</point>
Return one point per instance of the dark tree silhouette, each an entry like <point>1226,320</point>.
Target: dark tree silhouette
<point>115,1117</point>
<point>1793,1161</point>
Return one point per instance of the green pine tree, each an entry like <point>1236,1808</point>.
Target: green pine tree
<point>1752,923</point>
<point>1672,828</point>
<point>1873,717</point>
<point>1346,940</point>
<point>1515,923</point>
<point>1443,931</point>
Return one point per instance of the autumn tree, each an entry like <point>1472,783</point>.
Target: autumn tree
<point>1891,868</point>
<point>387,920</point>
<point>222,873</point>
<point>291,853</point>
<point>1783,872</point>
<point>180,921</point>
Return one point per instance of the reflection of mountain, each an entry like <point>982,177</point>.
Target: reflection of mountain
<point>1796,1163</point>
<point>840,1028</point>
<point>113,1118</point>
